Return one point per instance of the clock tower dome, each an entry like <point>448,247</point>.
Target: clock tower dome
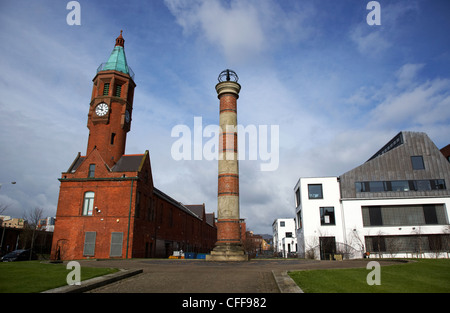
<point>109,118</point>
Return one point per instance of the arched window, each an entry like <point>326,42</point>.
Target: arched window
<point>88,203</point>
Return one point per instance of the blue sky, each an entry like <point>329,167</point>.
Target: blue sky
<point>338,88</point>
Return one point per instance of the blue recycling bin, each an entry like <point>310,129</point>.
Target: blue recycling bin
<point>189,255</point>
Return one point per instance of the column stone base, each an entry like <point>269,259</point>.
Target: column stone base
<point>227,251</point>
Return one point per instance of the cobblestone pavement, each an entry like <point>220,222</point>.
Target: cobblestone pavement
<point>200,276</point>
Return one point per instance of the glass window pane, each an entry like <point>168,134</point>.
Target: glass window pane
<point>376,186</point>
<point>297,197</point>
<point>375,216</point>
<point>88,203</point>
<point>400,185</point>
<point>422,185</point>
<point>359,187</point>
<point>91,172</point>
<point>327,216</point>
<point>417,162</point>
<point>315,191</point>
<point>429,211</point>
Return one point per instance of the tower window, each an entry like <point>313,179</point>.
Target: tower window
<point>118,90</point>
<point>88,204</point>
<point>106,89</point>
<point>91,172</point>
<point>113,136</point>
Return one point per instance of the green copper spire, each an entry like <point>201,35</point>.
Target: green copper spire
<point>117,60</point>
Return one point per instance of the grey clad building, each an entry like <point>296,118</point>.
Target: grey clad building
<point>396,204</point>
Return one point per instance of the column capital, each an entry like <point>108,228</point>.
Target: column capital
<point>228,87</point>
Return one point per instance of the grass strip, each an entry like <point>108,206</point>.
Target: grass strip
<point>423,276</point>
<point>34,276</point>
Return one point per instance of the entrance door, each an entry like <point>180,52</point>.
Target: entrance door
<point>327,248</point>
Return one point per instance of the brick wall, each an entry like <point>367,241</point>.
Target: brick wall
<point>151,225</point>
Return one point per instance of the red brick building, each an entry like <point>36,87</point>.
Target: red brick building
<point>108,206</point>
<point>446,152</point>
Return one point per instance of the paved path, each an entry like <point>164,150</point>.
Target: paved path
<point>199,276</point>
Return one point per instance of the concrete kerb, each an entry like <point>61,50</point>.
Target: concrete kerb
<point>285,283</point>
<point>96,282</point>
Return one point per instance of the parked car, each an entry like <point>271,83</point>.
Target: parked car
<point>19,255</point>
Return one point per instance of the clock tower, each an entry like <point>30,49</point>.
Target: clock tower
<point>109,118</point>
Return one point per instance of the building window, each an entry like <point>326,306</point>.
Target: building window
<point>422,185</point>
<point>417,163</point>
<point>437,184</point>
<point>372,216</point>
<point>362,187</point>
<point>377,186</point>
<point>89,243</point>
<point>88,203</point>
<point>118,90</point>
<point>327,216</point>
<point>315,191</point>
<point>407,243</point>
<point>401,185</point>
<point>375,244</point>
<point>404,215</point>
<point>288,234</point>
<point>113,136</point>
<point>282,224</point>
<point>91,172</point>
<point>138,205</point>
<point>299,220</point>
<point>116,244</point>
<point>297,197</point>
<point>106,89</point>
<point>430,215</point>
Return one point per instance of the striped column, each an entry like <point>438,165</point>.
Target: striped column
<point>228,230</point>
<point>228,246</point>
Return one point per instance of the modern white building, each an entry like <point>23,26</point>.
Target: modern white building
<point>394,205</point>
<point>284,237</point>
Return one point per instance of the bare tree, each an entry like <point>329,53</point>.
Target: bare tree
<point>355,240</point>
<point>32,217</point>
<point>312,248</point>
<point>3,207</point>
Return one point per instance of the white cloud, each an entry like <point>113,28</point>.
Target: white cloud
<point>241,30</point>
<point>369,41</point>
<point>425,105</point>
<point>376,41</point>
<point>407,73</point>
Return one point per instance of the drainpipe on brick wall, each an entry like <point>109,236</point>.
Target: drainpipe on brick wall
<point>129,215</point>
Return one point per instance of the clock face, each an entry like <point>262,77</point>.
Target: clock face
<point>127,116</point>
<point>101,109</point>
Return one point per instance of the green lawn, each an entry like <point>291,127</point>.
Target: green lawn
<point>425,275</point>
<point>33,276</point>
